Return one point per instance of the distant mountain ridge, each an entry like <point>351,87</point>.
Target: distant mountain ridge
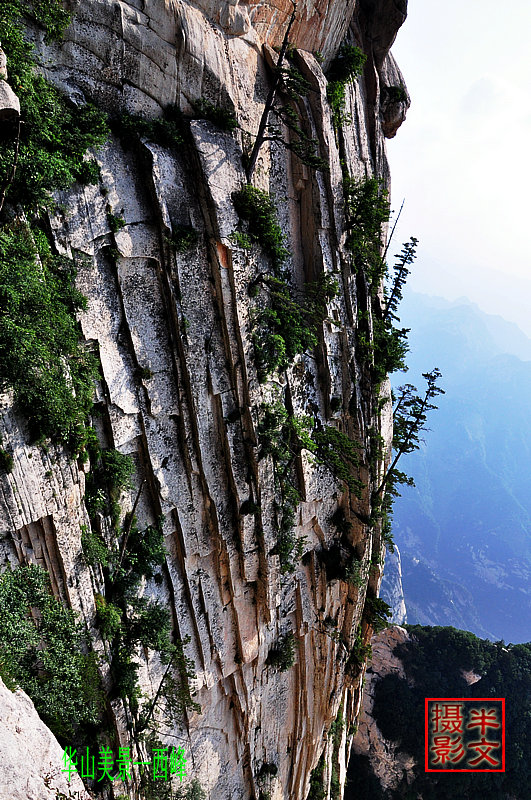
<point>464,532</point>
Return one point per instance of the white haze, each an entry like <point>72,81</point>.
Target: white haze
<point>462,159</point>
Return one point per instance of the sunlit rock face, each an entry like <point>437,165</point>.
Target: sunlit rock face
<point>179,390</point>
<point>30,755</point>
<point>318,26</point>
<point>391,588</point>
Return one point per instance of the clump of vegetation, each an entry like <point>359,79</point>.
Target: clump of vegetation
<point>347,65</point>
<point>267,770</point>
<point>317,781</point>
<point>396,94</point>
<point>110,475</point>
<point>48,151</point>
<point>169,130</point>
<point>41,353</point>
<point>241,240</point>
<point>192,792</point>
<point>375,450</point>
<point>183,238</point>
<point>282,655</point>
<point>48,14</point>
<point>342,562</point>
<point>336,733</point>
<point>116,221</point>
<point>389,349</point>
<point>354,572</point>
<point>249,507</point>
<point>289,547</point>
<point>339,453</point>
<point>220,117</point>
<point>367,211</point>
<point>6,461</point>
<point>257,207</point>
<point>377,613</point>
<point>140,555</point>
<point>288,326</point>
<point>94,548</point>
<point>45,653</point>
<point>89,172</point>
<point>359,653</point>
<point>108,617</point>
<point>145,373</point>
<point>115,469</point>
<point>282,436</point>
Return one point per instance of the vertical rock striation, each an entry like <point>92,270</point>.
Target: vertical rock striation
<point>179,390</point>
<point>391,588</point>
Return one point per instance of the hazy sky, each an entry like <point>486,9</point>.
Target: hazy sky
<point>462,158</point>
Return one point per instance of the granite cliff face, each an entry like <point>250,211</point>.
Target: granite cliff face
<point>30,755</point>
<point>179,390</point>
<point>391,589</point>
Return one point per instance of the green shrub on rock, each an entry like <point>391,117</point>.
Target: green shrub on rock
<point>347,65</point>
<point>42,357</point>
<point>282,655</point>
<point>45,652</point>
<point>257,207</point>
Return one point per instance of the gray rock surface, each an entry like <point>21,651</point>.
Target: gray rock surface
<point>31,758</point>
<point>391,589</point>
<point>9,102</point>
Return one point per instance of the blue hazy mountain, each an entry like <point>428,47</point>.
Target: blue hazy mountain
<point>464,532</point>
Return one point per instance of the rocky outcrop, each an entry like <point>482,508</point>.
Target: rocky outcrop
<point>391,589</point>
<point>30,755</point>
<point>388,763</point>
<point>394,97</point>
<point>9,102</point>
<point>380,21</point>
<point>179,391</point>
